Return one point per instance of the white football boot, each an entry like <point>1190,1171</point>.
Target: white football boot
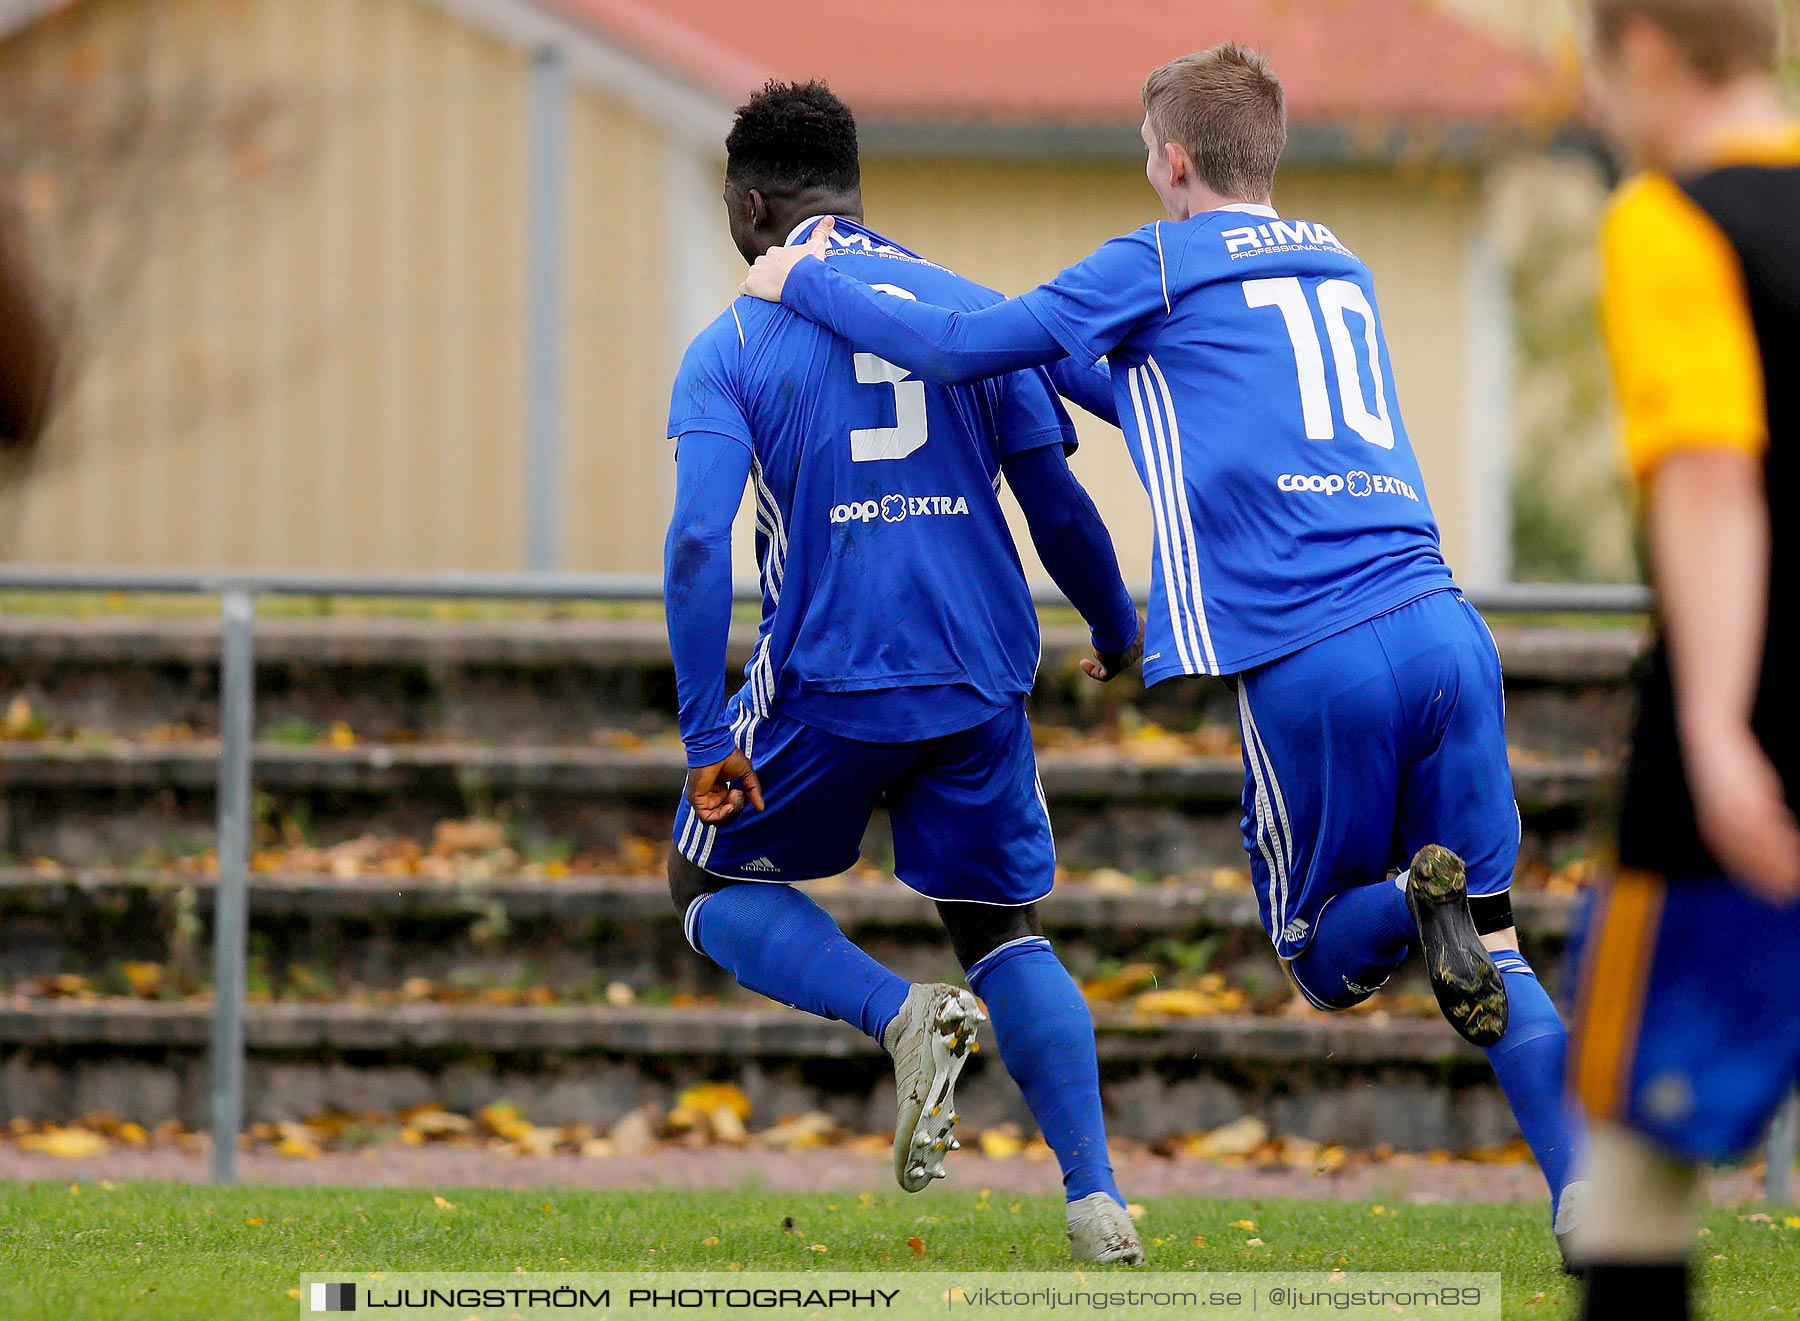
<point>1100,1230</point>
<point>1568,1216</point>
<point>930,1040</point>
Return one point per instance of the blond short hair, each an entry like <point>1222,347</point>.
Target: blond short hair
<point>1721,39</point>
<point>1226,109</point>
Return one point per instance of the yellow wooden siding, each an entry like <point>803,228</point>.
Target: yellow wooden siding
<point>318,361</point>
<point>619,358</point>
<point>316,355</point>
<point>1014,225</point>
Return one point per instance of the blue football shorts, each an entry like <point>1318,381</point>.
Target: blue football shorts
<point>1684,1027</point>
<point>1364,747</point>
<point>969,818</point>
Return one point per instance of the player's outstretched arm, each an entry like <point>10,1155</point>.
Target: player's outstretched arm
<point>934,343</point>
<point>710,473</point>
<point>1086,312</point>
<point>1708,536</point>
<point>1078,554</point>
<point>1088,385</point>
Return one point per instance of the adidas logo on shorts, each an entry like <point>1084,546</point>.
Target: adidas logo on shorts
<point>760,864</point>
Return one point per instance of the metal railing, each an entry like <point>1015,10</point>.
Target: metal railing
<point>238,593</point>
<point>1513,598</point>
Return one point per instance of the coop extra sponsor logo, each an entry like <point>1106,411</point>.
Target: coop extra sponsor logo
<point>1356,482</point>
<point>899,508</point>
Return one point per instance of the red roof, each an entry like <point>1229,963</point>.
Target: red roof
<point>1079,61</point>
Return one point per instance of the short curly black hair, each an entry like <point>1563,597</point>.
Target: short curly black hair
<point>791,136</point>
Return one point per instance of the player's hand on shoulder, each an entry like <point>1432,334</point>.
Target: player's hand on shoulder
<point>768,276</point>
<point>1744,817</point>
<point>1107,666</point>
<point>718,792</point>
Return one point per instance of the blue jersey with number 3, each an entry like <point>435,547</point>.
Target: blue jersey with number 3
<point>1255,391</point>
<point>887,564</point>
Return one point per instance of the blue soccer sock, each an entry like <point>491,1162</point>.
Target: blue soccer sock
<point>1529,1062</point>
<point>779,943</point>
<point>1046,1039</point>
<point>1363,935</point>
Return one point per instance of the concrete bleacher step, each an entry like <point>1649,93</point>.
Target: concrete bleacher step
<point>583,933</point>
<point>1098,775</point>
<point>92,803</point>
<point>1412,1084</point>
<point>721,1032</point>
<point>1149,909</point>
<point>523,682</point>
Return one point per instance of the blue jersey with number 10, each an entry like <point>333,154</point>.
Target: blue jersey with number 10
<point>1255,391</point>
<point>888,568</point>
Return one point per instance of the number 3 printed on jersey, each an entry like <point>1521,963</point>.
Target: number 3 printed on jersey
<point>870,444</point>
<point>1336,298</point>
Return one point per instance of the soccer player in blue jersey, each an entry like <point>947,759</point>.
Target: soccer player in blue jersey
<point>1295,555</point>
<point>898,642</point>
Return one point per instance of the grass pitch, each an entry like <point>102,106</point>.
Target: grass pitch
<point>181,1251</point>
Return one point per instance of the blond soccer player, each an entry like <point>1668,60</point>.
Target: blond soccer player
<point>1688,1035</point>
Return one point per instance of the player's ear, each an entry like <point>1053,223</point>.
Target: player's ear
<point>1645,52</point>
<point>1181,165</point>
<point>758,207</point>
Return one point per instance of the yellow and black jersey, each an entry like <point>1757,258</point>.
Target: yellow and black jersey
<point>1701,305</point>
